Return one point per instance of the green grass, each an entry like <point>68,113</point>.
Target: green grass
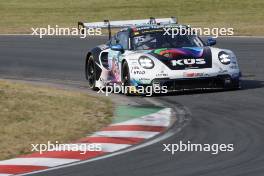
<point>34,114</point>
<point>245,16</point>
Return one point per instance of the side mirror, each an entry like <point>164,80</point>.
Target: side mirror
<point>117,47</point>
<point>211,41</point>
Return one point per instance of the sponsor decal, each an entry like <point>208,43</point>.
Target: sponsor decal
<point>161,75</point>
<point>139,72</point>
<point>146,29</point>
<point>135,68</point>
<point>192,74</point>
<point>144,79</point>
<point>224,58</point>
<point>188,62</point>
<point>194,52</point>
<point>184,58</point>
<point>114,69</point>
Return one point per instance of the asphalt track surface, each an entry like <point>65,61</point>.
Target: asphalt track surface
<point>235,117</point>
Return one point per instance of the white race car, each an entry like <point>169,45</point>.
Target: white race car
<point>141,55</point>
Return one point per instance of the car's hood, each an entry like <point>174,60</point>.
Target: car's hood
<point>190,57</point>
<point>175,53</point>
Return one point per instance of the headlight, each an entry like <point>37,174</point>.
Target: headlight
<point>224,57</point>
<point>146,62</point>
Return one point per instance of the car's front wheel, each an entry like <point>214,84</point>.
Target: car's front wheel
<point>236,84</point>
<point>126,78</point>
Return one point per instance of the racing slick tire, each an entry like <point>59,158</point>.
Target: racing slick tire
<point>125,77</point>
<point>91,73</point>
<point>231,84</point>
<point>129,90</point>
<point>236,85</point>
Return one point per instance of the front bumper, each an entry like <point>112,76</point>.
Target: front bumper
<point>221,81</point>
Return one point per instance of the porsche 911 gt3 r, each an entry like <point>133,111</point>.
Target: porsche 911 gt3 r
<point>141,54</point>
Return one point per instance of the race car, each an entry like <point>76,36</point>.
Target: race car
<point>142,54</point>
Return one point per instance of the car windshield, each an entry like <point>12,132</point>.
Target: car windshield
<point>159,40</point>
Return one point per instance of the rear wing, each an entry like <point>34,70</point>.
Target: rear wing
<point>126,23</point>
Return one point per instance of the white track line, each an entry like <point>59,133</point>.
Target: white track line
<point>109,147</point>
<point>136,134</point>
<point>106,147</point>
<point>49,162</point>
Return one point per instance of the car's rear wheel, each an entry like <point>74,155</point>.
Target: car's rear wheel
<point>91,73</point>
